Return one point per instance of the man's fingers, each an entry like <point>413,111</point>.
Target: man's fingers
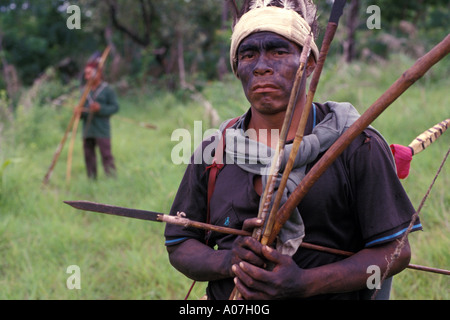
<point>248,283</point>
<point>271,254</point>
<point>243,254</point>
<point>250,224</point>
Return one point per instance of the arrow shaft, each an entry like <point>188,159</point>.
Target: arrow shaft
<point>428,137</point>
<point>152,216</point>
<point>180,220</point>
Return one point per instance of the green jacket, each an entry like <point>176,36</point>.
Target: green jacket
<point>98,126</point>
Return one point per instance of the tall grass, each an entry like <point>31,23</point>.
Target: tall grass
<point>123,258</point>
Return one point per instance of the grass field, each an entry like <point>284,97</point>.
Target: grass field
<point>119,258</point>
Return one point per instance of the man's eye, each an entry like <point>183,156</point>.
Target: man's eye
<point>280,52</point>
<point>247,56</point>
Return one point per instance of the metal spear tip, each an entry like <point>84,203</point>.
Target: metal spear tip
<point>76,204</point>
<point>70,203</point>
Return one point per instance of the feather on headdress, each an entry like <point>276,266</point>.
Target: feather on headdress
<point>305,8</point>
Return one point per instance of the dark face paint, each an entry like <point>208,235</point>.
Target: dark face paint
<point>267,65</point>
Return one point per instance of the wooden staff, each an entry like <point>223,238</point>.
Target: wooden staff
<point>333,22</point>
<point>78,112</point>
<point>300,80</point>
<point>58,151</point>
<point>259,234</point>
<point>409,77</point>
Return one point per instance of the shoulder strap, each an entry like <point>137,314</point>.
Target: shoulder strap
<point>217,165</point>
<point>214,168</point>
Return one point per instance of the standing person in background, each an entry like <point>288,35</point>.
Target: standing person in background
<point>101,104</point>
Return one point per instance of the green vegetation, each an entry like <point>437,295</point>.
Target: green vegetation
<point>119,258</point>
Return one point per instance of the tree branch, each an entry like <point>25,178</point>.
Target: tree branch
<point>145,39</point>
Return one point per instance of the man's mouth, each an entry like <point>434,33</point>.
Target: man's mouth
<point>264,88</point>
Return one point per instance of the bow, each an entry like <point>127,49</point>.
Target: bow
<point>263,234</point>
<point>407,79</point>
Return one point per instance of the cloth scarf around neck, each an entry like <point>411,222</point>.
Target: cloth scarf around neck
<point>255,157</point>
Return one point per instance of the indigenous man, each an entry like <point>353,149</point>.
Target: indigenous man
<point>357,205</point>
<point>101,103</point>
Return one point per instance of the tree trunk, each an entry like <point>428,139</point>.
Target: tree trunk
<point>352,25</point>
<point>222,63</point>
<point>180,58</point>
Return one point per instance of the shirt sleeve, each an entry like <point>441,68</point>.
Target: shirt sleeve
<point>383,208</point>
<point>191,198</point>
<point>108,103</point>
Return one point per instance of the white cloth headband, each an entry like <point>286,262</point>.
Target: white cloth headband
<point>284,22</point>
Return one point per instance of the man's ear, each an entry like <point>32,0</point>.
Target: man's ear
<point>311,65</point>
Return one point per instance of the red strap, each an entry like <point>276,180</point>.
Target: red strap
<point>216,166</point>
<point>214,170</point>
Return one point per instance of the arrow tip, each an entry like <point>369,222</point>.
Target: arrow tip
<point>75,204</point>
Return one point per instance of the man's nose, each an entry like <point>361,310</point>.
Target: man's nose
<point>263,66</point>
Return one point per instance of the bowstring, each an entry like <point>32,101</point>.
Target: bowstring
<point>396,254</point>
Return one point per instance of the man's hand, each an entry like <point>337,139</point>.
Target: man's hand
<point>255,281</point>
<point>77,111</point>
<point>94,107</point>
<point>284,279</point>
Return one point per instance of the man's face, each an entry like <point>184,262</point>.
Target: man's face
<point>267,65</point>
<point>89,72</point>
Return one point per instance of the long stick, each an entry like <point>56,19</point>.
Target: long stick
<point>335,15</point>
<point>263,214</point>
<point>180,219</point>
<point>276,160</point>
<point>58,151</point>
<point>263,234</point>
<point>78,114</point>
<point>401,85</point>
<point>316,247</point>
<point>276,203</point>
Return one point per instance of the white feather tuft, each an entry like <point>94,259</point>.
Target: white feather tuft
<point>259,4</point>
<point>256,4</point>
<point>288,4</point>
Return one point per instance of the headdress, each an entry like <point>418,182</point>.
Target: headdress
<point>92,64</point>
<point>292,19</point>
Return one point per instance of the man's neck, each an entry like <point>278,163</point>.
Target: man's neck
<point>96,84</point>
<point>263,123</point>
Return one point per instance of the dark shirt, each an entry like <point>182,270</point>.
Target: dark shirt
<point>358,202</point>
